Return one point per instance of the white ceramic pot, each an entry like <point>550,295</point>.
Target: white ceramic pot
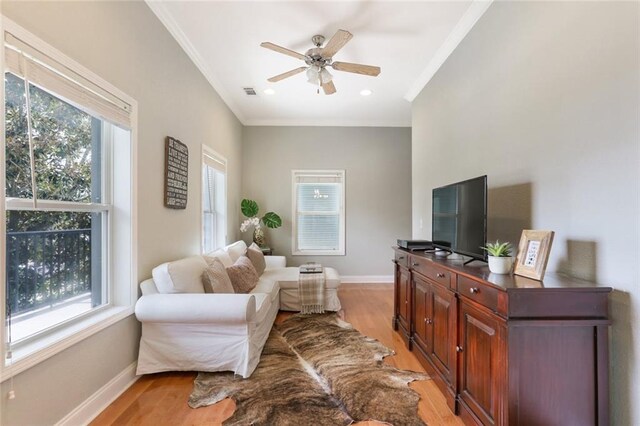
<point>500,265</point>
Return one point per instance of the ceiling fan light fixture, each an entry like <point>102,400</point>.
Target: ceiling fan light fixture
<point>269,91</point>
<point>365,92</point>
<point>325,76</point>
<point>313,73</point>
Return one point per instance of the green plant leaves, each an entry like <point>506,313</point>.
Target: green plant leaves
<point>498,249</point>
<point>272,220</point>
<point>249,208</point>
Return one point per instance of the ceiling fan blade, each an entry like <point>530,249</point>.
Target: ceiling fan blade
<point>329,88</point>
<point>356,68</point>
<point>283,50</point>
<point>286,74</point>
<point>337,42</point>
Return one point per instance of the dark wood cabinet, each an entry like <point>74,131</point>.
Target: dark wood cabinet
<point>403,305</point>
<point>444,328</point>
<point>434,329</point>
<point>482,363</point>
<point>505,349</point>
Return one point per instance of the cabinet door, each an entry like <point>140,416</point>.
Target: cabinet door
<point>482,362</point>
<point>422,314</point>
<point>404,294</point>
<point>443,328</point>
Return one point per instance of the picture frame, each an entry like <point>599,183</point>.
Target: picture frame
<point>533,253</point>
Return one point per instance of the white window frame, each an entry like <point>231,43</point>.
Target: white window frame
<point>122,219</point>
<point>216,161</point>
<point>295,251</point>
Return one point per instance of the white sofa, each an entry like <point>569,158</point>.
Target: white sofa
<point>185,329</point>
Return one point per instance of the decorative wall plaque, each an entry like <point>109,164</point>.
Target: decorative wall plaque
<point>176,168</point>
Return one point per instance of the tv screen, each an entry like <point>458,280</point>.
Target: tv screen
<point>459,217</point>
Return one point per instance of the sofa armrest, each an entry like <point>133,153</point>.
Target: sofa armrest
<point>275,262</point>
<point>197,308</point>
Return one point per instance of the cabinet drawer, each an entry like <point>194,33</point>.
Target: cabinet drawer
<point>479,292</point>
<point>402,259</point>
<point>431,271</point>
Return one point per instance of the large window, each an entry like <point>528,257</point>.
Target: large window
<point>318,212</point>
<point>68,196</point>
<point>214,200</point>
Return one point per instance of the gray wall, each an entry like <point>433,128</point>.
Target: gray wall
<point>543,98</point>
<point>124,43</point>
<point>378,187</point>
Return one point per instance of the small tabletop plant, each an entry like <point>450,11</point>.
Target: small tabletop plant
<point>498,249</point>
<point>250,209</point>
<point>500,260</point>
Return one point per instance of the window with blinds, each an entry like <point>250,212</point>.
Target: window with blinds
<point>214,200</point>
<point>68,197</point>
<point>319,213</point>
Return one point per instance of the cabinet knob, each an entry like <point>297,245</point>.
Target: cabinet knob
<point>458,348</point>
<point>406,302</point>
<point>439,275</point>
<point>474,290</point>
<point>415,264</point>
<point>429,320</point>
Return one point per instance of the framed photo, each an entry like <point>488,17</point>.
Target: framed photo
<point>533,253</point>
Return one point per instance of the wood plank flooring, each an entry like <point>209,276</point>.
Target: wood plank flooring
<point>161,399</point>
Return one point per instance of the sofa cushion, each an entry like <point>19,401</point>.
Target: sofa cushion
<point>288,277</point>
<point>237,249</point>
<point>267,286</point>
<point>180,276</point>
<point>215,278</point>
<point>220,254</point>
<point>243,275</point>
<point>255,255</point>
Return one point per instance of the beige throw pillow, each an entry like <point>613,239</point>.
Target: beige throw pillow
<point>215,278</point>
<point>257,258</point>
<point>180,276</point>
<point>219,254</point>
<point>244,277</point>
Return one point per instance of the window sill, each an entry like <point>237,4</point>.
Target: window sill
<point>318,253</point>
<point>32,353</point>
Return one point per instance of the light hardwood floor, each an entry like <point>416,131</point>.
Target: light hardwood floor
<point>161,399</point>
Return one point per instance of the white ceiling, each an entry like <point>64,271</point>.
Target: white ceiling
<point>408,40</point>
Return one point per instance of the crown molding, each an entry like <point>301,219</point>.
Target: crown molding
<point>295,122</point>
<point>459,32</point>
<point>159,9</point>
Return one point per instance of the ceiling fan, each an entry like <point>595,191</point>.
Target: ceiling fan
<point>319,58</point>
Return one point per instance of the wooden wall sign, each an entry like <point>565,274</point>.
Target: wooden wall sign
<point>176,168</point>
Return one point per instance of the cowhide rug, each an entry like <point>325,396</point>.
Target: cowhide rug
<point>316,369</point>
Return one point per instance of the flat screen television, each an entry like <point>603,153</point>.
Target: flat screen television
<point>459,217</point>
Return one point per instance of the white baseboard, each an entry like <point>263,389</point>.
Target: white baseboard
<point>96,403</point>
<point>366,279</point>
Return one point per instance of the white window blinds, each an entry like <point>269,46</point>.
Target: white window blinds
<point>319,212</point>
<point>30,63</point>
<point>214,201</point>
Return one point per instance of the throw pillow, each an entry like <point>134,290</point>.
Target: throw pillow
<point>244,277</point>
<point>257,258</point>
<point>219,254</point>
<point>237,249</point>
<point>180,276</point>
<point>215,278</point>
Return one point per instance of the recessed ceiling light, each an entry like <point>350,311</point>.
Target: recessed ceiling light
<point>269,91</point>
<point>366,92</point>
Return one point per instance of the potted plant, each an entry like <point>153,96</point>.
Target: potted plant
<point>250,209</point>
<point>500,260</point>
